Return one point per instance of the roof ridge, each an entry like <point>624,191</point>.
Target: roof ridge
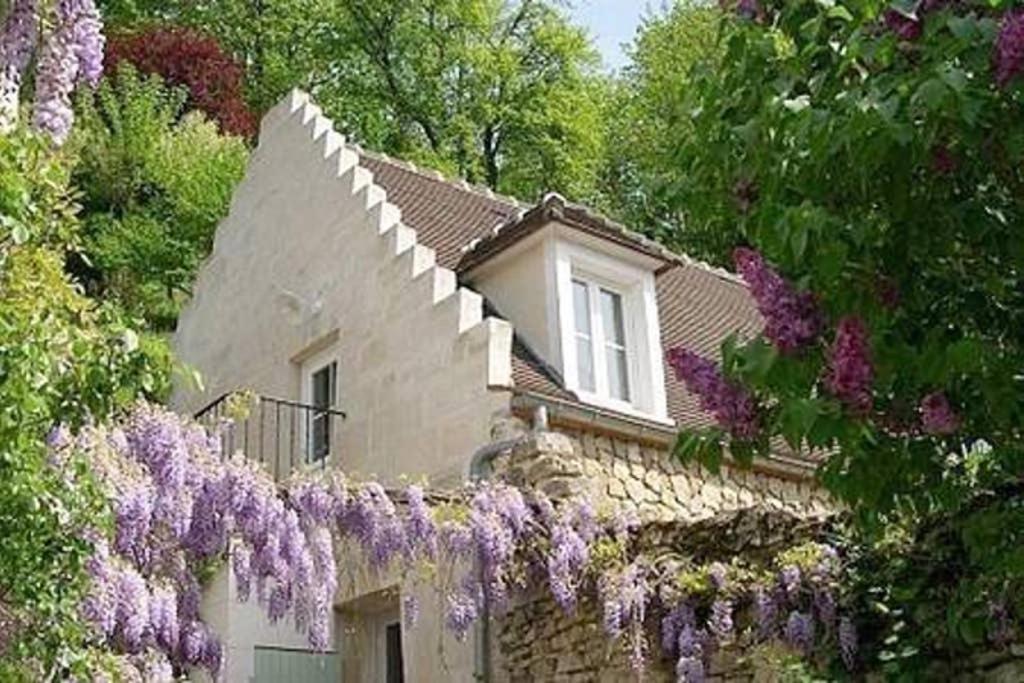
<point>458,182</point>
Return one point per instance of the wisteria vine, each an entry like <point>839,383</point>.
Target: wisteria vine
<point>67,38</point>
<point>180,509</point>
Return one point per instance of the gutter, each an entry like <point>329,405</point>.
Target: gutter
<point>481,468</point>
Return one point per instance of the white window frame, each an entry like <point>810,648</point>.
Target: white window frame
<point>599,343</point>
<point>635,285</point>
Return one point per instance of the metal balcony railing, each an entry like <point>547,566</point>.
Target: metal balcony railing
<point>280,434</point>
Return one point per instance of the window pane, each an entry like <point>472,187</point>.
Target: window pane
<point>323,391</point>
<point>611,316</point>
<point>581,307</point>
<point>618,373</point>
<point>585,363</point>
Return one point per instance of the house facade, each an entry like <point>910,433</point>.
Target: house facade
<point>399,325</point>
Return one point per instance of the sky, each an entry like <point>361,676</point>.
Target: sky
<point>611,23</point>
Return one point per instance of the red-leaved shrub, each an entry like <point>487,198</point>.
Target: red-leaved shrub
<point>184,57</point>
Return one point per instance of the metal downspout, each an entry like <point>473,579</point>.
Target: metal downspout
<point>481,467</point>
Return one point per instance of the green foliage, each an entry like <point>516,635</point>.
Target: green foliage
<point>649,109</point>
<point>34,204</point>
<point>502,92</point>
<point>280,42</point>
<point>836,125</point>
<point>862,164</point>
<point>154,186</point>
<point>63,359</point>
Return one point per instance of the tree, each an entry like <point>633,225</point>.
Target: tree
<point>868,159</point>
<point>154,186</point>
<point>186,58</point>
<point>500,92</point>
<point>650,109</point>
<point>277,41</point>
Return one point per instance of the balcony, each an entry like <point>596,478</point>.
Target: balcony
<point>283,435</point>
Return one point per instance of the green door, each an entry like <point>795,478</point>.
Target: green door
<point>276,665</point>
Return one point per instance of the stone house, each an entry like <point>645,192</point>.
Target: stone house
<point>397,324</point>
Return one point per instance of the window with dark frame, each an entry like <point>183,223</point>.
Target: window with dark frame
<point>394,670</point>
<point>323,388</point>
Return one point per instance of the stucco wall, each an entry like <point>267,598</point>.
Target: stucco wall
<point>313,259</point>
<point>311,248</point>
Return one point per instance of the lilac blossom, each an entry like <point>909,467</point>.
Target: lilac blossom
<point>905,27</point>
<point>1008,58</point>
<point>792,319</point>
<point>850,373</point>
<point>731,405</point>
<point>937,416</point>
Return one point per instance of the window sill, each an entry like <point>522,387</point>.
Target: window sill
<point>623,407</point>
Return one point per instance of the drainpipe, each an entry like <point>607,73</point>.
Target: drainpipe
<point>481,467</point>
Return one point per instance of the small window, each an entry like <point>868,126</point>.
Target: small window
<point>323,387</point>
<point>393,668</point>
<point>602,353</point>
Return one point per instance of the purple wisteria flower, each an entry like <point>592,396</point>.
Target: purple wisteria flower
<point>766,611</point>
<point>410,610</point>
<point>720,623</point>
<point>848,642</point>
<point>72,53</point>
<point>850,373</point>
<point>937,416</point>
<point>800,631</point>
<point>731,405</point>
<point>1008,59</point>
<point>18,38</point>
<point>792,318</point>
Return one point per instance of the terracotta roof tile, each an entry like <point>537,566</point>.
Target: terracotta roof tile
<point>445,216</point>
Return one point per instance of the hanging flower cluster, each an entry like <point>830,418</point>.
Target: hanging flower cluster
<point>179,509</point>
<point>1009,50</point>
<point>70,53</point>
<point>792,319</point>
<point>937,415</point>
<point>732,406</point>
<point>709,607</point>
<point>850,373</point>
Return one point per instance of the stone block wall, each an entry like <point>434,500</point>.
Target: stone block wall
<point>684,506</point>
<point>623,473</point>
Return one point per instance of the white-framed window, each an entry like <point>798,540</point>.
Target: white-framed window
<point>607,320</point>
<point>602,347</point>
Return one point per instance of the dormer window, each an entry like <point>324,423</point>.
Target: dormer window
<point>607,315</point>
<point>602,357</point>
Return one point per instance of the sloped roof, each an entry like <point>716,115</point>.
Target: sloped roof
<point>699,306</point>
